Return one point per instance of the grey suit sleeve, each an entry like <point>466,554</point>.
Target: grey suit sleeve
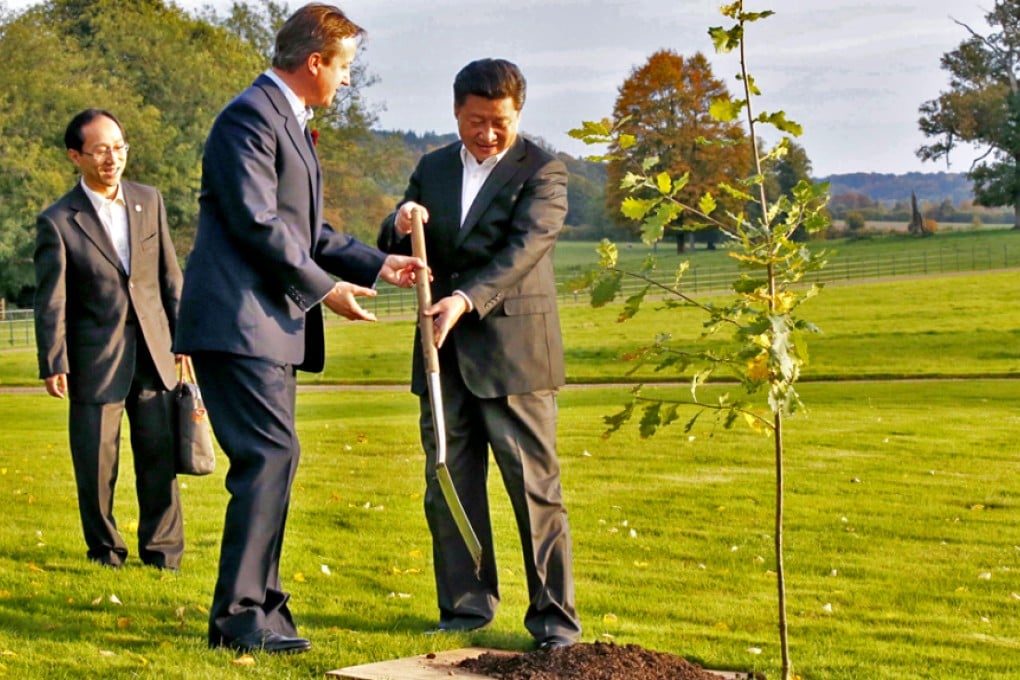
<point>170,277</point>
<point>50,304</point>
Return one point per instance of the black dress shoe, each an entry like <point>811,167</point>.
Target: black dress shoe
<point>271,643</point>
<point>555,642</point>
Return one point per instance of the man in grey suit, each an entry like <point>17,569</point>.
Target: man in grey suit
<point>107,289</point>
<point>494,204</point>
<point>251,314</point>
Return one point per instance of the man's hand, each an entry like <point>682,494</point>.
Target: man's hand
<point>401,270</point>
<point>341,301</point>
<point>445,315</point>
<point>56,385</point>
<point>403,219</point>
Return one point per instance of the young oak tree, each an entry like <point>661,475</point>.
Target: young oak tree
<point>663,107</point>
<point>767,347</point>
<point>982,108</point>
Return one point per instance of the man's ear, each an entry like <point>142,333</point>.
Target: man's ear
<point>314,63</point>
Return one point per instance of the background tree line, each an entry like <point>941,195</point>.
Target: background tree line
<point>167,73</point>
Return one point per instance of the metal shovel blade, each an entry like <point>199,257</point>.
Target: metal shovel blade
<point>431,355</point>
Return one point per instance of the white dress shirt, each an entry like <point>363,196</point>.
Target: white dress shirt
<point>113,215</point>
<point>474,177</point>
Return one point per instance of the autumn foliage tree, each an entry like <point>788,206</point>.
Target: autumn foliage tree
<point>982,107</point>
<point>664,106</point>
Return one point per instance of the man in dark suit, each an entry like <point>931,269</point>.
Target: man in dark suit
<point>494,204</point>
<point>107,289</point>
<point>250,312</point>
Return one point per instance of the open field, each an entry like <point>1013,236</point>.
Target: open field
<point>950,326</point>
<point>903,502</point>
<point>902,550</point>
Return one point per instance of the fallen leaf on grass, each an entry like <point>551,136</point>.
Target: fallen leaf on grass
<point>32,567</point>
<point>1015,596</point>
<point>325,570</point>
<point>106,652</point>
<point>244,660</point>
<point>7,652</point>
<point>114,599</point>
<point>610,618</point>
<point>402,596</point>
<point>299,578</point>
<point>985,576</point>
<point>754,650</point>
<point>123,622</point>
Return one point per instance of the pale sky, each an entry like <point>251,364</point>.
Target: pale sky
<point>852,72</point>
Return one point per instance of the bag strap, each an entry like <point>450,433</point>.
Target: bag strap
<point>185,370</point>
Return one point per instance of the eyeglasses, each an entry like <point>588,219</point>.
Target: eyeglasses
<point>101,154</point>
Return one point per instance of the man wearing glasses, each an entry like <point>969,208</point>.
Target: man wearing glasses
<point>107,288</point>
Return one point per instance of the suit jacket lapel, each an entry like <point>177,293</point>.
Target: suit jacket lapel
<point>302,142</point>
<point>135,216</point>
<point>88,221</point>
<point>494,183</point>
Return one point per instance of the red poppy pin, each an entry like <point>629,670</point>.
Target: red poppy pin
<point>315,137</point>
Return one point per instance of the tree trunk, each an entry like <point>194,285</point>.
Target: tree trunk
<point>1016,215</point>
<point>784,640</point>
<point>681,241</point>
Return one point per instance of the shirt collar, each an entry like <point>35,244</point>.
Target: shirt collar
<point>302,112</point>
<point>471,163</point>
<point>98,200</point>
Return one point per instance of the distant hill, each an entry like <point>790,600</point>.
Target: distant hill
<point>887,188</point>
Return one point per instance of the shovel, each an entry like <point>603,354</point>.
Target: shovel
<point>431,355</point>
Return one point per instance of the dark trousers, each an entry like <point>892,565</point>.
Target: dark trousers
<point>521,430</point>
<point>95,450</point>
<point>251,409</point>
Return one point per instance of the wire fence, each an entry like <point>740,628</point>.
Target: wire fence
<point>17,327</point>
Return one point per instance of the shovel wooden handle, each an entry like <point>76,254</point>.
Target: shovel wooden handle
<point>424,290</point>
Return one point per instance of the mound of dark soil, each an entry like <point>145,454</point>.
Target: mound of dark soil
<point>596,661</point>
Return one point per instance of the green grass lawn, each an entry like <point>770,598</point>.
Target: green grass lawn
<point>902,548</point>
<point>903,556</point>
